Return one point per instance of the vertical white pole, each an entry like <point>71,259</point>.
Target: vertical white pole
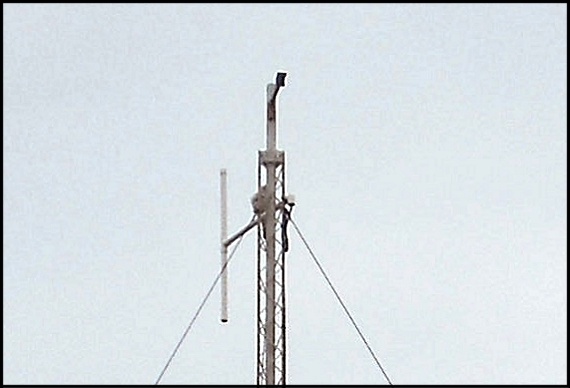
<point>270,236</point>
<point>223,237</point>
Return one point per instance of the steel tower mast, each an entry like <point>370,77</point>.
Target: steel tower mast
<point>272,209</point>
<point>271,360</point>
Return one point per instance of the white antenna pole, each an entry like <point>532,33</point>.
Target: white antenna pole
<point>270,238</point>
<point>269,206</point>
<point>223,238</point>
<point>271,354</point>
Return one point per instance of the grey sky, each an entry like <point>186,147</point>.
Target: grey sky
<point>426,146</point>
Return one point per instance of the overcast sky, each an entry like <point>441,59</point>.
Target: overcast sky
<point>426,146</point>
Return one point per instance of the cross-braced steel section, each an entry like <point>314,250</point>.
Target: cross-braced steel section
<point>271,317</point>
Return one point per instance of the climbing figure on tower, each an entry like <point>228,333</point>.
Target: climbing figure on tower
<point>260,202</point>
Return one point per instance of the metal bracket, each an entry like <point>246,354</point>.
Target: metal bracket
<point>275,157</point>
